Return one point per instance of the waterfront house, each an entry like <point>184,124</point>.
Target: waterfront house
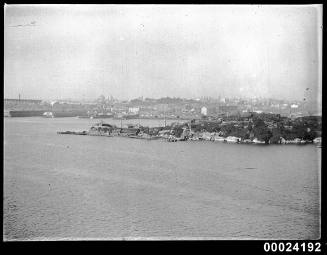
<point>297,140</point>
<point>134,110</point>
<point>257,141</point>
<point>282,140</point>
<point>204,111</point>
<point>232,139</point>
<point>219,138</point>
<point>294,141</point>
<point>205,136</point>
<point>317,140</point>
<point>246,141</point>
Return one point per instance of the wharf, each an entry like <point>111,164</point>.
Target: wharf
<point>72,133</point>
<point>108,135</point>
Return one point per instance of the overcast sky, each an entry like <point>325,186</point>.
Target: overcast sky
<point>83,51</point>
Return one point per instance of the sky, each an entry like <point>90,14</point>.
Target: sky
<point>189,51</point>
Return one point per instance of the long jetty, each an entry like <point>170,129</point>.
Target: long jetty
<point>145,137</point>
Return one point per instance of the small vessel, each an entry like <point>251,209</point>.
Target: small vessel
<point>48,115</point>
<point>83,117</point>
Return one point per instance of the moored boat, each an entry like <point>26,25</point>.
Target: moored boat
<point>83,117</point>
<point>25,113</point>
<point>131,116</point>
<point>72,132</point>
<point>102,116</point>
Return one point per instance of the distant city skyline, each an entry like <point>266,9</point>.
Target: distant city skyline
<point>187,51</point>
<point>202,99</point>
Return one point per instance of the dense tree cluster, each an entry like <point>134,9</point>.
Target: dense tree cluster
<point>268,128</point>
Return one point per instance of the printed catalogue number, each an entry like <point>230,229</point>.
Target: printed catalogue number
<point>292,247</point>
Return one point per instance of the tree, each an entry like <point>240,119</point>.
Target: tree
<point>288,134</point>
<point>259,123</point>
<point>276,135</point>
<point>262,133</point>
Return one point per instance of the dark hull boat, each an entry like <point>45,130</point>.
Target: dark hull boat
<point>72,133</point>
<point>131,116</point>
<point>102,116</point>
<point>83,117</point>
<point>25,113</point>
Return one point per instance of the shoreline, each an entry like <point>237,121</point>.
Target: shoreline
<point>170,139</point>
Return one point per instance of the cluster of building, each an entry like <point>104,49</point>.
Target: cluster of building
<point>179,108</point>
<point>170,108</point>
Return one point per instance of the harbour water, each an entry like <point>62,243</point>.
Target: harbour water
<point>86,187</point>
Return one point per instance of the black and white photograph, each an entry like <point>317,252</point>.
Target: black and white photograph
<point>162,122</point>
